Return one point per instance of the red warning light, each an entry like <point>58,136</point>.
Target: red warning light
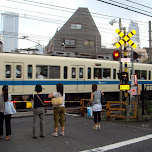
<point>116,55</point>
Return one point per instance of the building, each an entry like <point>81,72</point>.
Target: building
<point>79,34</point>
<point>134,26</point>
<point>9,31</point>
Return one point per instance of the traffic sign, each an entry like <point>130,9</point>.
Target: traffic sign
<point>125,60</point>
<point>124,86</point>
<point>125,38</point>
<point>134,91</point>
<point>124,76</point>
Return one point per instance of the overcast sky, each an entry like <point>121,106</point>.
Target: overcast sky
<point>39,19</point>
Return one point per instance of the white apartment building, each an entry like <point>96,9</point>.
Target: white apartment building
<point>134,26</point>
<point>9,31</point>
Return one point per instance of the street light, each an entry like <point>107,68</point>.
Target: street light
<point>26,38</point>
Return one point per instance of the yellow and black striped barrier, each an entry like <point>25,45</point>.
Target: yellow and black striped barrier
<point>29,103</point>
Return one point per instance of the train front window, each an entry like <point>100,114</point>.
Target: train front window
<point>54,72</point>
<point>8,71</point>
<point>106,73</point>
<point>29,72</point>
<point>41,72</point>
<point>97,73</point>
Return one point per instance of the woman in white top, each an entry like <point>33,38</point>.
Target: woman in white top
<point>59,110</point>
<point>96,105</point>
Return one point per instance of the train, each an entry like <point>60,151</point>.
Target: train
<point>21,72</point>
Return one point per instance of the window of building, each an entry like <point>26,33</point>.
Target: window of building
<point>69,43</point>
<point>18,71</point>
<point>114,73</point>
<point>106,73</point>
<point>54,72</point>
<point>88,43</point>
<point>73,72</point>
<point>97,73</point>
<point>8,71</point>
<point>89,73</point>
<point>65,72</point>
<point>76,26</point>
<point>41,72</point>
<point>29,72</point>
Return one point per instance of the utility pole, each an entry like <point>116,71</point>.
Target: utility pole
<point>150,41</point>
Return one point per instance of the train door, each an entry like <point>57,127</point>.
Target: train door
<point>14,73</point>
<point>77,75</point>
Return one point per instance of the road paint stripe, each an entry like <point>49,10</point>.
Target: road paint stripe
<point>119,144</point>
<point>75,115</point>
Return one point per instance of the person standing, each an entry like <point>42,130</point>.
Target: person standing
<point>96,105</point>
<point>4,97</point>
<point>59,110</point>
<point>38,111</point>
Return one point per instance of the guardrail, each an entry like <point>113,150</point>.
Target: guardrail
<point>109,109</point>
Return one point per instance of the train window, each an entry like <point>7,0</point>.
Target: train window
<point>65,72</point>
<point>29,72</point>
<point>114,73</point>
<point>54,72</point>
<point>80,72</point>
<point>8,71</point>
<point>149,75</point>
<point>18,71</point>
<point>144,75</point>
<point>130,73</point>
<point>97,73</point>
<point>89,73</point>
<point>73,72</point>
<point>138,73</point>
<point>41,72</point>
<point>106,74</point>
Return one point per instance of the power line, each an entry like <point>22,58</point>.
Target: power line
<point>139,4</point>
<point>125,8</point>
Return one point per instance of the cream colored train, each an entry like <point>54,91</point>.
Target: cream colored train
<point>21,72</point>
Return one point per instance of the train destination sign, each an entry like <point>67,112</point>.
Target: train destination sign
<point>124,86</point>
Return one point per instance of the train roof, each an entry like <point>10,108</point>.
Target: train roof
<point>59,58</point>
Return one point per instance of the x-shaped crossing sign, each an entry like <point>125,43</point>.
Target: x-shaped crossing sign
<point>125,38</point>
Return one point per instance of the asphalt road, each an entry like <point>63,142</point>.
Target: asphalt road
<point>79,136</point>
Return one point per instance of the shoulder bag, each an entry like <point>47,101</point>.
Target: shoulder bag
<point>9,108</point>
<point>42,103</point>
<point>57,101</point>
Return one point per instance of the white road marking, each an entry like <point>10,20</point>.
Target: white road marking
<point>75,115</point>
<point>119,144</point>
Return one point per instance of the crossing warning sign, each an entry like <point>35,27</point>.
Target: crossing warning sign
<point>125,38</point>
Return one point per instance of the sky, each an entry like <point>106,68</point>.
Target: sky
<point>39,19</point>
